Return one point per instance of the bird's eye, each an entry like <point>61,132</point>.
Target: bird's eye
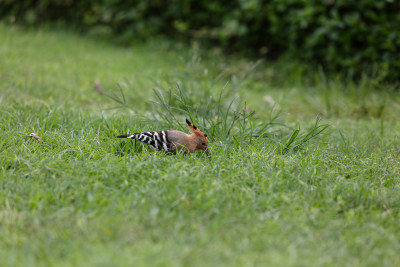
<point>203,143</point>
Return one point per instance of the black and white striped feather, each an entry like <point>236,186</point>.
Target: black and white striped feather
<point>157,140</point>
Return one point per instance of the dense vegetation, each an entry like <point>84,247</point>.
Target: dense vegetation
<point>347,37</point>
<point>267,197</point>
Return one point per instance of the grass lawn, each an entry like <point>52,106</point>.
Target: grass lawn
<point>86,198</point>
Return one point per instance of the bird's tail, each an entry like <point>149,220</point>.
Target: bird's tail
<point>123,136</point>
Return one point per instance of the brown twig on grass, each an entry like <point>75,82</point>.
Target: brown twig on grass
<point>98,87</point>
<point>387,210</point>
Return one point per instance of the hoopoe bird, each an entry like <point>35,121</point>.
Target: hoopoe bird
<point>173,141</point>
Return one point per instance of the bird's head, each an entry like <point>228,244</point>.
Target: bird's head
<point>199,137</point>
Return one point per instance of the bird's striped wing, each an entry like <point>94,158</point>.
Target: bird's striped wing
<point>157,140</point>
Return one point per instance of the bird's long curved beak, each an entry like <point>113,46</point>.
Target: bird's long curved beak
<point>208,153</point>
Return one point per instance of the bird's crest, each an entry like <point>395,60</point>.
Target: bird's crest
<point>196,130</point>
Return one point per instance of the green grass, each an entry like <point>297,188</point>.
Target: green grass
<point>85,198</point>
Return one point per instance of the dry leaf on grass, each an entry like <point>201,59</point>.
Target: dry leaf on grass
<point>269,100</point>
<point>35,136</point>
